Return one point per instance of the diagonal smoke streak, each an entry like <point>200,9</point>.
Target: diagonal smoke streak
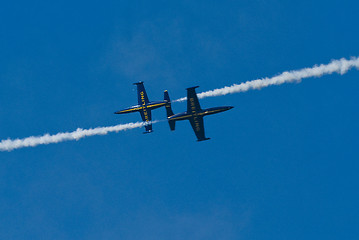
<point>340,66</point>
<point>9,145</point>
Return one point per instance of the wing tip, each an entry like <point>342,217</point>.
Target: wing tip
<point>192,87</point>
<point>138,83</point>
<point>149,131</point>
<point>204,139</point>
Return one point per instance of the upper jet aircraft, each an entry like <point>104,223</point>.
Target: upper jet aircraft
<point>145,106</point>
<point>194,113</point>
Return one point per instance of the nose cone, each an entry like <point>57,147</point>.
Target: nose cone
<point>119,112</point>
<point>226,108</point>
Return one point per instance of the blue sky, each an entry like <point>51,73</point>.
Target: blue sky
<point>282,164</point>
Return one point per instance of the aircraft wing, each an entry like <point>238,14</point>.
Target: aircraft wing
<point>198,127</point>
<point>192,101</point>
<point>146,117</point>
<point>148,128</point>
<point>141,94</point>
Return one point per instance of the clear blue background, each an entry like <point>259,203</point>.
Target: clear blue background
<point>283,164</point>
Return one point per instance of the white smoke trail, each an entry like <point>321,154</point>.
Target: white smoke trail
<point>340,66</point>
<point>9,145</point>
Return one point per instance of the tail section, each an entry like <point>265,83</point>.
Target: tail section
<point>166,97</point>
<point>168,105</point>
<point>169,111</point>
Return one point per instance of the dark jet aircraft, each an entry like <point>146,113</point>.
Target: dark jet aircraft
<point>194,113</point>
<point>144,106</point>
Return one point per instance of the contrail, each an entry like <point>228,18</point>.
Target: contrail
<point>340,66</point>
<point>9,145</point>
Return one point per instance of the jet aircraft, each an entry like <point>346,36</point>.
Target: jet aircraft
<point>145,106</point>
<point>194,113</point>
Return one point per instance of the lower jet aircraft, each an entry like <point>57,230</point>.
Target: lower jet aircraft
<point>145,106</point>
<point>194,113</point>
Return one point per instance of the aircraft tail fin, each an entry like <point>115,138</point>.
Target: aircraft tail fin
<point>169,111</point>
<point>166,96</point>
<point>168,105</point>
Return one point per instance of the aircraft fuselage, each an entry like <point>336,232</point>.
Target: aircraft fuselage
<point>144,107</point>
<point>195,114</point>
